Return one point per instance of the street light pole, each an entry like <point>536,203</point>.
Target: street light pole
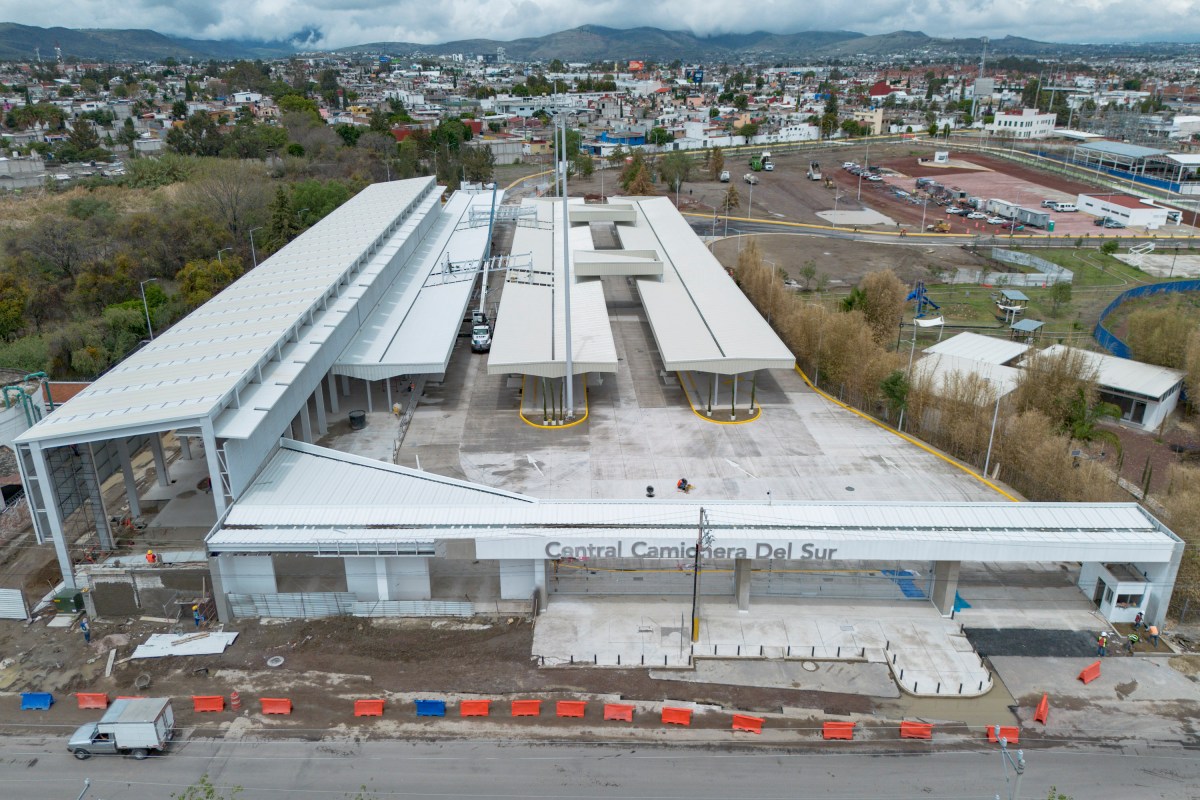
<point>702,540</point>
<point>220,260</point>
<point>145,305</point>
<point>253,254</point>
<point>750,203</point>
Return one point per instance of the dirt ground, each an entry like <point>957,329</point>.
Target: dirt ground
<point>330,662</point>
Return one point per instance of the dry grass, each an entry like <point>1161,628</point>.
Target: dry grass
<point>1182,503</point>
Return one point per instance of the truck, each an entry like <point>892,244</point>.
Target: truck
<point>481,336</point>
<point>814,171</point>
<point>756,163</point>
<point>135,726</point>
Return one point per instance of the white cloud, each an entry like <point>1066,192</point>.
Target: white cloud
<point>346,22</point>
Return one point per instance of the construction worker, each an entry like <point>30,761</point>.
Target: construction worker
<point>1102,644</point>
<point>1137,621</point>
<point>151,559</point>
<point>197,617</point>
<point>1131,642</point>
<point>86,630</point>
<point>1153,631</point>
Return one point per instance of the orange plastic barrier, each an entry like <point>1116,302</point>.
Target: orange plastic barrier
<point>474,708</point>
<point>1090,672</point>
<point>526,708</point>
<point>916,730</point>
<point>838,730</point>
<point>208,703</point>
<point>1043,710</point>
<point>677,716</point>
<point>368,708</point>
<point>275,705</point>
<point>570,708</point>
<point>741,722</point>
<point>92,700</point>
<point>1011,732</point>
<point>618,712</point>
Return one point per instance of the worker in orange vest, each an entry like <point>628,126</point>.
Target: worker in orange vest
<point>1153,631</point>
<point>151,558</point>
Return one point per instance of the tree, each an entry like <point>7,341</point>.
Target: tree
<point>1083,418</point>
<point>731,200</point>
<point>808,271</point>
<point>204,789</point>
<point>659,136</point>
<point>198,136</point>
<point>1110,247</point>
<point>641,186</point>
<point>895,389</point>
<point>179,110</point>
<point>282,227</point>
<point>674,169</point>
<point>716,162</point>
<point>200,281</point>
<point>1060,295</point>
<point>882,303</point>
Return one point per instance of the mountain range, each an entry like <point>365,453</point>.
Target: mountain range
<point>585,43</point>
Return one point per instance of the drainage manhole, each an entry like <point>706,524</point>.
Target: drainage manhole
<point>808,666</point>
<point>275,661</point>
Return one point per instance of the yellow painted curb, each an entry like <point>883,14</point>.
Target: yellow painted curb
<point>571,424</point>
<point>908,438</point>
<point>705,417</point>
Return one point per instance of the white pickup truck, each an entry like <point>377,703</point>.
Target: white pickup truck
<point>136,727</point>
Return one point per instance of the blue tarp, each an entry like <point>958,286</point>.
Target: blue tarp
<point>904,579</point>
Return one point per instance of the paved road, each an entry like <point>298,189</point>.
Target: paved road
<point>39,769</point>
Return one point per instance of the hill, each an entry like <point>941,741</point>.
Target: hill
<point>18,43</point>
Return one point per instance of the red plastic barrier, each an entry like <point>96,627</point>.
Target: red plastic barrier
<point>838,730</point>
<point>570,708</point>
<point>474,708</point>
<point>526,708</point>
<point>676,716</point>
<point>916,730</point>
<point>368,708</point>
<point>741,722</point>
<point>618,712</point>
<point>1090,672</point>
<point>214,702</point>
<point>1043,710</point>
<point>92,700</point>
<point>275,705</point>
<point>1010,732</point>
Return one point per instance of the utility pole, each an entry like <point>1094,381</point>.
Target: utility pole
<point>1017,764</point>
<point>570,378</point>
<point>703,539</point>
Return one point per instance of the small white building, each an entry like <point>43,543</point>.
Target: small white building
<point>1026,123</point>
<point>1145,393</point>
<point>1118,590</point>
<point>1130,210</point>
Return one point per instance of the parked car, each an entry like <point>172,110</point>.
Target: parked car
<point>875,178</point>
<point>137,726</point>
<point>1112,223</point>
<point>977,215</point>
<point>1049,203</point>
<point>848,164</point>
<point>769,166</point>
<point>724,176</point>
<point>1064,207</point>
<point>750,177</point>
<point>996,220</point>
<point>955,210</point>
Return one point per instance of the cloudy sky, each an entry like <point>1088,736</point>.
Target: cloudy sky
<point>346,22</point>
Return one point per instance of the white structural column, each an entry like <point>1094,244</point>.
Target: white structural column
<point>248,574</point>
<point>384,578</point>
<point>370,405</point>
<point>322,420</point>
<point>742,573</point>
<point>185,446</point>
<point>214,468</point>
<point>135,506</point>
<point>945,586</point>
<point>160,459</point>
<point>333,397</point>
<point>53,515</point>
<point>224,613</point>
<point>305,424</point>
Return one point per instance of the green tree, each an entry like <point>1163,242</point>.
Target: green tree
<point>1110,247</point>
<point>204,789</point>
<point>1060,295</point>
<point>674,169</point>
<point>282,228</point>
<point>200,281</point>
<point>895,390</point>
<point>179,110</point>
<point>659,136</point>
<point>641,186</point>
<point>1083,420</point>
<point>731,201</point>
<point>295,104</point>
<point>198,136</point>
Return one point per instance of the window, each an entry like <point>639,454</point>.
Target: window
<point>1129,600</point>
<point>1108,595</point>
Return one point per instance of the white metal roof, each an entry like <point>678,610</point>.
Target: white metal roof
<point>700,319</point>
<point>530,332</point>
<point>1126,375</point>
<point>415,324</point>
<point>309,499</point>
<point>944,370</point>
<point>974,347</point>
<point>193,369</point>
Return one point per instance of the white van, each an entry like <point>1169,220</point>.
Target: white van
<point>1064,207</point>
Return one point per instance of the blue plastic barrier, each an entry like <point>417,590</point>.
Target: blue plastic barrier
<point>431,708</point>
<point>36,701</point>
